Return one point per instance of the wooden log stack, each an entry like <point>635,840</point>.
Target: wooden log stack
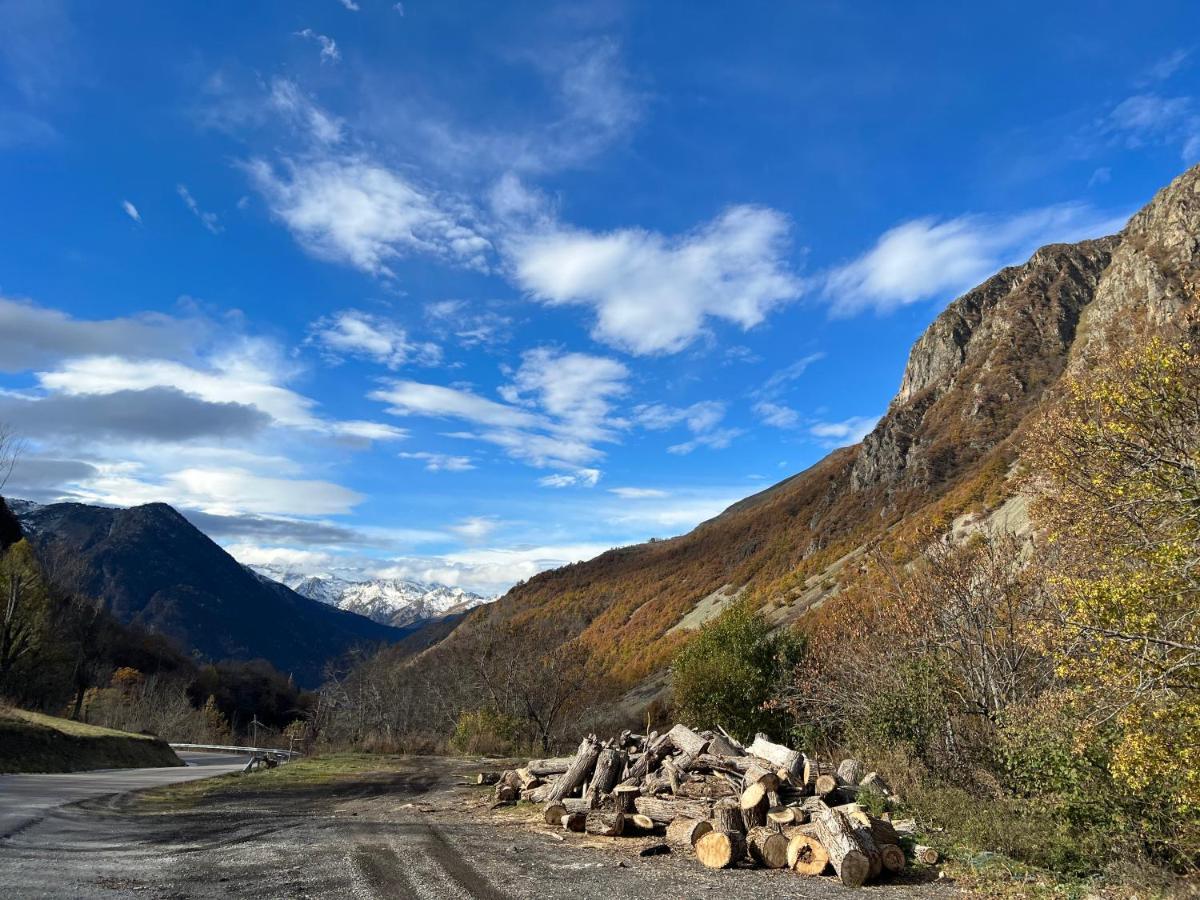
<point>730,805</point>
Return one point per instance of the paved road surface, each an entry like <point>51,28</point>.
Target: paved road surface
<point>26,799</point>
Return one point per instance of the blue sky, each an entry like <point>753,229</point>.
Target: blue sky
<point>459,291</point>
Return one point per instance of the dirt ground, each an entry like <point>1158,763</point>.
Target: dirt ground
<point>417,831</point>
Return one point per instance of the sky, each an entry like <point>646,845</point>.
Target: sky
<point>460,291</point>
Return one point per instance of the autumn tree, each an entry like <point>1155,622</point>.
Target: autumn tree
<point>1117,477</point>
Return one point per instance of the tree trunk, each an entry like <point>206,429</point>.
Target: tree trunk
<point>893,858</point>
<point>687,741</point>
<point>873,781</point>
<point>806,855</point>
<point>781,815</point>
<point>781,756</point>
<point>487,778</point>
<point>722,746</point>
<point>767,847</point>
<point>581,766</point>
<point>721,849</point>
<point>543,767</point>
<point>609,765</point>
<point>663,811</point>
<point>684,832</point>
<point>624,798</point>
<point>754,805</point>
<point>849,771</point>
<point>836,836</point>
<point>727,815</point>
<point>924,854</point>
<point>553,813</point>
<point>605,824</point>
<point>764,774</point>
<point>648,759</point>
<point>576,821</point>
<point>640,824</point>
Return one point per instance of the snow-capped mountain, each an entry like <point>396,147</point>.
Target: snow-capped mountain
<point>390,601</point>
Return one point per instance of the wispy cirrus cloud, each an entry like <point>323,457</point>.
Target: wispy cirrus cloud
<point>352,332</point>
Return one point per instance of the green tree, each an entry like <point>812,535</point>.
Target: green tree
<point>727,674</point>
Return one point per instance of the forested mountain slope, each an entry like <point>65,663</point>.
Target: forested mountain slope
<point>944,448</point>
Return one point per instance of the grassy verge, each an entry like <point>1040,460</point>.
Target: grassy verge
<point>313,771</point>
<point>32,742</point>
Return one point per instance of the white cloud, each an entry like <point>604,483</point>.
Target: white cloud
<point>777,415</point>
<point>441,462</point>
<point>349,4</point>
<point>475,528</point>
<point>329,47</point>
<point>1152,119</point>
<point>578,478</point>
<point>1163,69</point>
<point>352,211</point>
<point>840,434</point>
<point>468,325</point>
<point>414,398</point>
<point>351,332</point>
<point>131,211</point>
<point>287,98</point>
<point>575,388</point>
<point>636,493</point>
<point>207,219</point>
<point>228,491</point>
<point>654,294</point>
<point>927,258</point>
<point>714,440</point>
<point>700,418</point>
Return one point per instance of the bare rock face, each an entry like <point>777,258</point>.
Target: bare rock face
<point>982,365</point>
<point>1154,273</point>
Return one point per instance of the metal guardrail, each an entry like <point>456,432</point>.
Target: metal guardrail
<point>272,752</point>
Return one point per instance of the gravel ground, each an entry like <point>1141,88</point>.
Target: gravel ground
<point>420,833</point>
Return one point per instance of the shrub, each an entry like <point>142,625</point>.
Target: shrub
<point>485,732</point>
<point>728,672</point>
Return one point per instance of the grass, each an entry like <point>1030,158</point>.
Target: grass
<point>33,742</point>
<point>309,772</point>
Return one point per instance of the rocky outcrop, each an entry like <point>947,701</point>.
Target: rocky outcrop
<point>982,365</point>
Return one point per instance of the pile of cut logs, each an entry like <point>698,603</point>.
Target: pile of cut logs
<point>763,804</point>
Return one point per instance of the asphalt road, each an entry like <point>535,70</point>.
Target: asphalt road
<point>26,799</point>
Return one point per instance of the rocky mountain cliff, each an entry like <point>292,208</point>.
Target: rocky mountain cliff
<point>153,568</point>
<point>389,601</point>
<point>986,364</point>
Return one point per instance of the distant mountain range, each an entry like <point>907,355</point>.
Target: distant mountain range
<point>388,601</point>
<point>154,569</point>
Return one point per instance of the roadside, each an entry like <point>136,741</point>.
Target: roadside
<point>363,827</point>
<point>32,742</point>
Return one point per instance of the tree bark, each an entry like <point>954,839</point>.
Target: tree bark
<point>781,756</point>
<point>836,836</point>
<point>610,764</point>
<point>727,815</point>
<point>767,847</point>
<point>687,741</point>
<point>924,854</point>
<point>581,766</point>
<point>684,832</point>
<point>850,771</point>
<point>663,811</point>
<point>603,823</point>
<point>576,821</point>
<point>893,858</point>
<point>543,767</point>
<point>754,805</point>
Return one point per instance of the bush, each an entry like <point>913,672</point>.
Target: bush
<point>728,672</point>
<point>485,732</point>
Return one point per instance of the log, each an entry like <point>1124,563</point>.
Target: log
<point>574,804</point>
<point>687,741</point>
<point>905,826</point>
<point>576,821</point>
<point>721,849</point>
<point>663,810</point>
<point>640,824</point>
<point>505,793</point>
<point>873,781</point>
<point>925,854</point>
<point>764,775</point>
<point>487,778</point>
<point>528,779</point>
<point>543,767</point>
<point>727,815</point>
<point>883,832</point>
<point>893,858</point>
<point>655,747</point>
<point>624,796</point>
<point>723,746</point>
<point>581,767</point>
<point>511,778</point>
<point>767,847</point>
<point>604,823</point>
<point>781,756</point>
<point>847,858</point>
<point>684,832</point>
<point>849,771</point>
<point>781,815</point>
<point>610,763</point>
<point>754,804</point>
<point>814,769</point>
<point>826,786</point>
<point>806,855</point>
<point>553,813</point>
<point>542,793</point>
